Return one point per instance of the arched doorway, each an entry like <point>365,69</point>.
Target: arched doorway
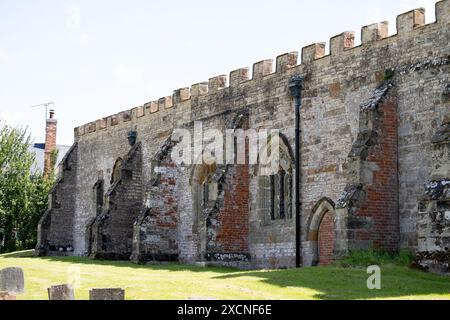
<point>321,233</point>
<point>326,239</point>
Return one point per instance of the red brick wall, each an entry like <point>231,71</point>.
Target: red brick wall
<point>233,218</point>
<point>326,239</point>
<point>381,203</point>
<point>233,234</point>
<point>162,221</point>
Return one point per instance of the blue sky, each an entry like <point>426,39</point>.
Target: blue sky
<point>97,58</point>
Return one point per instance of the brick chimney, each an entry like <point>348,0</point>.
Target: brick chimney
<point>50,142</point>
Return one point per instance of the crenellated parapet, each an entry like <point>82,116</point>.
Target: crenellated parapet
<point>340,45</point>
<point>410,20</point>
<point>374,129</point>
<point>374,32</point>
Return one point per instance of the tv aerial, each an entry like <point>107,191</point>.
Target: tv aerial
<point>46,105</point>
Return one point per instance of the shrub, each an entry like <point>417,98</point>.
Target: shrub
<point>365,258</point>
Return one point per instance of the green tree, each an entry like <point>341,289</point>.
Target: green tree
<point>23,193</point>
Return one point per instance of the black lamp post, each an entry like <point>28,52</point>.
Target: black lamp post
<point>296,87</point>
<point>132,136</point>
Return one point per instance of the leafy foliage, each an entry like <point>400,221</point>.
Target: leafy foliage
<point>365,258</point>
<point>23,193</point>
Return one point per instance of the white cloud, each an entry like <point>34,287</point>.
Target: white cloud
<point>127,74</point>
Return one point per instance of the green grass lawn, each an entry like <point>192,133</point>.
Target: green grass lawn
<point>173,281</point>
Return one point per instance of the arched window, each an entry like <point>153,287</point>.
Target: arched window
<point>98,196</point>
<point>116,173</point>
<point>206,188</point>
<point>275,185</point>
<point>205,192</point>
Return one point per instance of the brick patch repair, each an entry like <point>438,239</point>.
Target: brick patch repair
<point>375,165</point>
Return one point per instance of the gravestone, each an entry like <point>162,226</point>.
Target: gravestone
<point>6,296</point>
<point>11,283</point>
<point>107,294</point>
<point>61,292</point>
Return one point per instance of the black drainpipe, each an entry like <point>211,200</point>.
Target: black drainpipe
<point>296,86</point>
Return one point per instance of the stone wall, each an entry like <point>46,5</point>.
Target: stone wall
<point>337,85</point>
<point>55,229</point>
<point>434,209</point>
<point>111,233</point>
<point>155,230</point>
<point>227,228</point>
<point>368,208</point>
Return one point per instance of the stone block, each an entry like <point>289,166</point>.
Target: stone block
<point>152,107</point>
<point>238,76</point>
<point>406,22</point>
<point>262,68</point>
<point>107,294</point>
<point>286,61</point>
<point>313,52</point>
<point>140,111</point>
<point>165,103</point>
<point>114,120</point>
<point>443,11</point>
<point>61,292</point>
<point>181,95</point>
<point>199,89</point>
<point>217,83</point>
<point>12,281</point>
<point>126,115</point>
<point>374,32</point>
<point>101,124</point>
<point>342,42</point>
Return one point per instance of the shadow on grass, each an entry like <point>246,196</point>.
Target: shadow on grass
<point>18,254</point>
<point>337,283</point>
<point>172,266</point>
<point>333,282</point>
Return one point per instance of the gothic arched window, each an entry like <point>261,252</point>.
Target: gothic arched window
<point>205,188</point>
<point>116,174</point>
<point>275,186</point>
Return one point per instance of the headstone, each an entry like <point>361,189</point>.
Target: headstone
<point>107,294</point>
<point>61,292</point>
<point>11,283</point>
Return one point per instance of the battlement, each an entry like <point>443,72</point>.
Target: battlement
<point>342,44</point>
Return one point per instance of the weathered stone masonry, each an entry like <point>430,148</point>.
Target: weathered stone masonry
<point>434,209</point>
<point>112,231</point>
<point>367,212</point>
<point>155,230</point>
<point>55,231</point>
<point>374,161</point>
